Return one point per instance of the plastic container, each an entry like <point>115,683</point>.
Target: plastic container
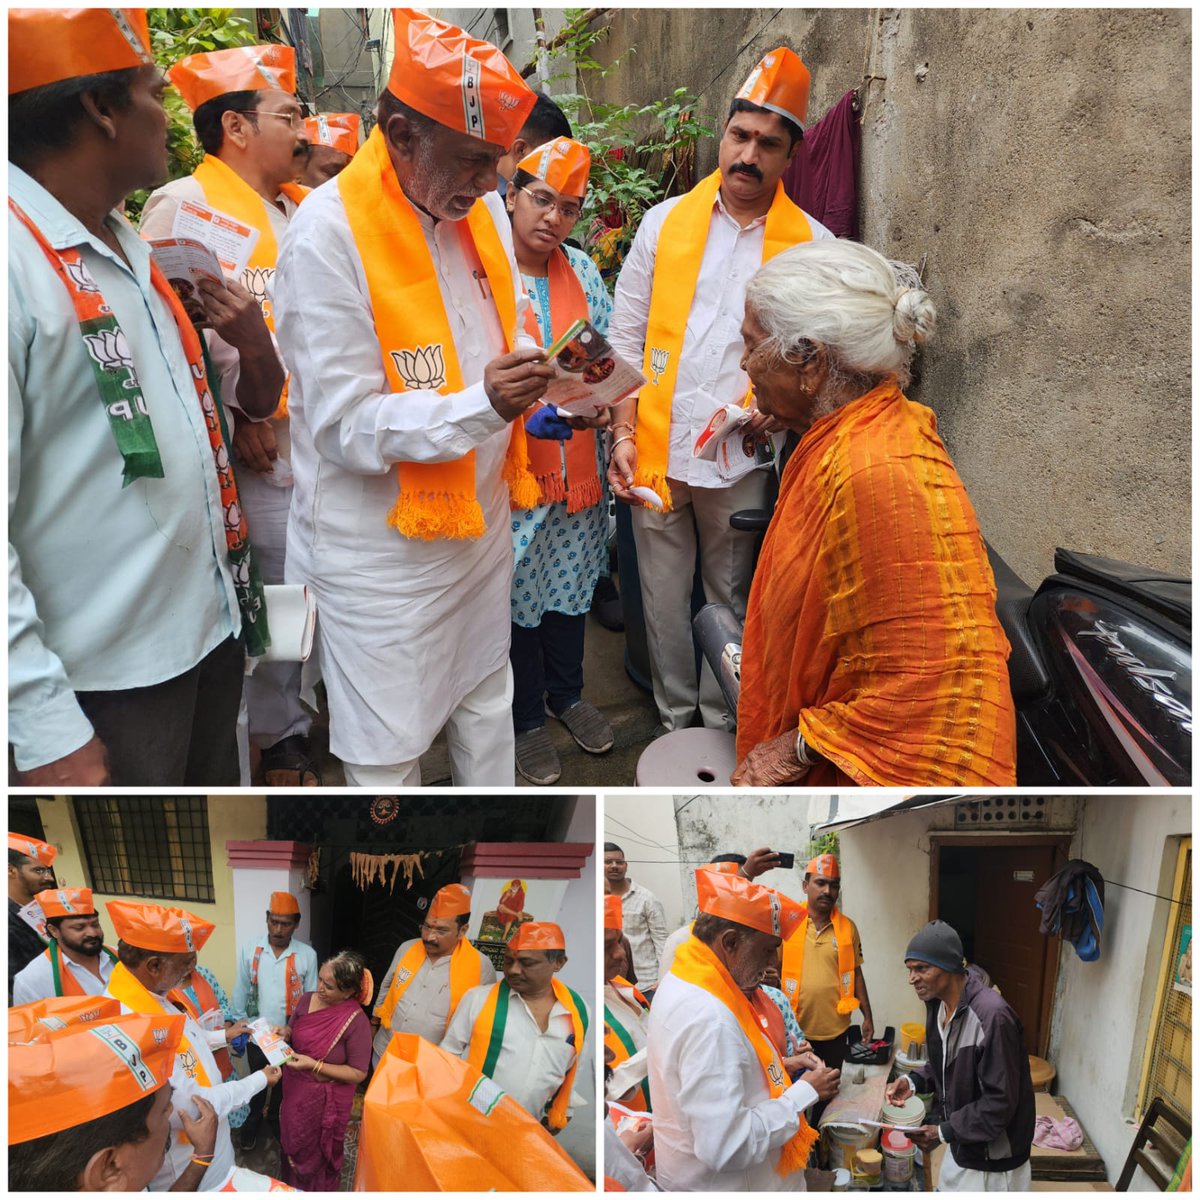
<point>844,1141</point>
<point>898,1154</point>
<point>841,1180</point>
<point>912,1041</point>
<point>1041,1072</point>
<point>907,1112</point>
<point>867,1171</point>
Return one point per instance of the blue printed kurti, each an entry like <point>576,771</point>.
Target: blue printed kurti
<point>559,557</point>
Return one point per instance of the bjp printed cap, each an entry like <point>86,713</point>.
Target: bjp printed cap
<point>153,927</point>
<point>32,848</point>
<point>67,902</point>
<point>563,163</point>
<point>339,131</point>
<point>452,901</point>
<point>613,918</point>
<point>48,45</point>
<point>457,80</point>
<point>824,865</point>
<point>747,903</point>
<point>37,1020</point>
<point>780,83</point>
<point>87,1071</point>
<point>538,935</point>
<point>283,904</point>
<point>203,77</point>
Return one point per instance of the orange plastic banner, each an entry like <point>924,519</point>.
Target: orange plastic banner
<point>433,1123</point>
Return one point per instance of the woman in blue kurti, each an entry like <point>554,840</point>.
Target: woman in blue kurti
<point>560,546</point>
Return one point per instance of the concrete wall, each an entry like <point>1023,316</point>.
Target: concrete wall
<point>1103,1010</point>
<point>1040,159</point>
<point>644,827</point>
<point>229,819</point>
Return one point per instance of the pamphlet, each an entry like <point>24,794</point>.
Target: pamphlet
<point>274,1048</point>
<point>724,441</point>
<point>185,262</point>
<point>33,916</point>
<point>229,239</point>
<point>592,376</point>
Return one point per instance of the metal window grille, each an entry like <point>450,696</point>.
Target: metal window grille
<point>155,846</point>
<point>1169,1071</point>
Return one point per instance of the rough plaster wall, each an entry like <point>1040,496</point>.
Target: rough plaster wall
<point>644,827</point>
<point>1102,1010</point>
<point>1042,164</point>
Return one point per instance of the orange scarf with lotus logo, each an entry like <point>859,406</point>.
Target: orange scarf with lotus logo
<point>436,500</point>
<point>226,191</point>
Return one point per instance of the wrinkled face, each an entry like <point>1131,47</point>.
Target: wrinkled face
<point>450,171</point>
<point>779,387</point>
<point>529,972</point>
<point>170,971</point>
<point>755,151</point>
<point>821,893</point>
<point>928,981</point>
<point>280,927</point>
<point>615,867</point>
<point>80,935</point>
<point>328,991</point>
<point>439,937</point>
<point>324,162</point>
<point>540,223</point>
<point>279,144</point>
<point>614,955</point>
<point>749,957</point>
<point>772,977</point>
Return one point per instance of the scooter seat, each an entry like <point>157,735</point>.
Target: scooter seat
<point>1027,674</point>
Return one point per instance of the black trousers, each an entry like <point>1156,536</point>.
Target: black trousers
<point>547,664</point>
<point>182,732</point>
<point>833,1054</point>
<point>260,1105</point>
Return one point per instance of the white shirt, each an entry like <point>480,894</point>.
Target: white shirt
<point>672,944</point>
<point>632,1017</point>
<point>532,1064</point>
<point>408,628</point>
<point>271,1001</point>
<point>109,587</point>
<point>645,925</point>
<point>424,1008</point>
<point>709,373</point>
<point>224,1097</point>
<point>716,1128</point>
<point>36,981</point>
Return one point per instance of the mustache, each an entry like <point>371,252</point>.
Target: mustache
<point>746,169</point>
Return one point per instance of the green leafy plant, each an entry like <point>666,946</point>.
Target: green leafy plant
<point>174,34</point>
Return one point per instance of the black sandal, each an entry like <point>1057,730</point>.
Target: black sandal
<point>287,764</point>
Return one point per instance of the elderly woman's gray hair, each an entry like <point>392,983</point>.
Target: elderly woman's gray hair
<point>870,314</point>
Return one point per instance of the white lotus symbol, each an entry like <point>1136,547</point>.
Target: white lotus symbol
<point>257,282</point>
<point>241,572</point>
<point>422,368</point>
<point>109,349</point>
<point>233,517</point>
<point>81,276</point>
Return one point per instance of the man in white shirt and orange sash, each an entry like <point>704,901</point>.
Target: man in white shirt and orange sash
<point>430,975</point>
<point>248,120</point>
<point>727,1117</point>
<point>625,1015</point>
<point>678,310</point>
<point>526,1032</point>
<point>76,962</point>
<point>401,316</point>
<point>157,948</point>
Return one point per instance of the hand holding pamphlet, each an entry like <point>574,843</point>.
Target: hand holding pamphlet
<point>725,441</point>
<point>185,262</point>
<point>591,375</point>
<point>274,1048</point>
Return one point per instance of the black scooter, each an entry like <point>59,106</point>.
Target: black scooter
<point>1101,670</point>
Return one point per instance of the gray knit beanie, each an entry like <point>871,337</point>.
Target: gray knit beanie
<point>938,945</point>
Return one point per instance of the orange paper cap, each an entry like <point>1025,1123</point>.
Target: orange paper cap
<point>67,902</point>
<point>825,865</point>
<point>337,130</point>
<point>538,935</point>
<point>563,163</point>
<point>725,868</point>
<point>48,45</point>
<point>457,80</point>
<point>613,918</point>
<point>451,901</point>
<point>37,1020</point>
<point>152,927</point>
<point>283,904</point>
<point>780,82</point>
<point>81,1073</point>
<point>747,903</point>
<point>32,848</point>
<point>203,77</point>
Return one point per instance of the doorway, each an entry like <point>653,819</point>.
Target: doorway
<point>985,888</point>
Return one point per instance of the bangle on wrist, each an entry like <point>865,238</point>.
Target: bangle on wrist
<point>625,437</point>
<point>202,1160</point>
<point>622,425</point>
<point>802,755</point>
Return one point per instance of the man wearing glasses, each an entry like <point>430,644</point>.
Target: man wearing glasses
<point>29,871</point>
<point>249,122</point>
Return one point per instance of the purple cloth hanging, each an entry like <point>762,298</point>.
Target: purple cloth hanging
<point>823,177</point>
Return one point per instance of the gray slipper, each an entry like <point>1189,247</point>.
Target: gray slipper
<point>586,724</point>
<point>537,760</point>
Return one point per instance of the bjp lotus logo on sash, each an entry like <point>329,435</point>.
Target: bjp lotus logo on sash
<point>422,369</point>
<point>775,1074</point>
<point>111,352</point>
<point>658,362</point>
<point>81,276</point>
<point>257,281</point>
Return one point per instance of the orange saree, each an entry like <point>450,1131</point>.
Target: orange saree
<point>871,625</point>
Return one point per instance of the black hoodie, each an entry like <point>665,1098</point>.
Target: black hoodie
<point>981,1079</point>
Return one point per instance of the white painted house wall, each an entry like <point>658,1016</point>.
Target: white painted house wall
<point>644,828</point>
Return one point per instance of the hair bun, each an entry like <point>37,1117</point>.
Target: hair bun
<point>914,317</point>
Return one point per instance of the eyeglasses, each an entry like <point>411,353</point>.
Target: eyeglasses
<point>294,119</point>
<point>543,203</point>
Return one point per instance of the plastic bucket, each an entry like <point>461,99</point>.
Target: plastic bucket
<point>912,1041</point>
<point>844,1140</point>
<point>898,1154</point>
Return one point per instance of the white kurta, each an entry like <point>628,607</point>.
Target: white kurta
<point>407,627</point>
<point>716,1128</point>
<point>630,1073</point>
<point>36,981</point>
<point>424,1008</point>
<point>224,1097</point>
<point>531,1065</point>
